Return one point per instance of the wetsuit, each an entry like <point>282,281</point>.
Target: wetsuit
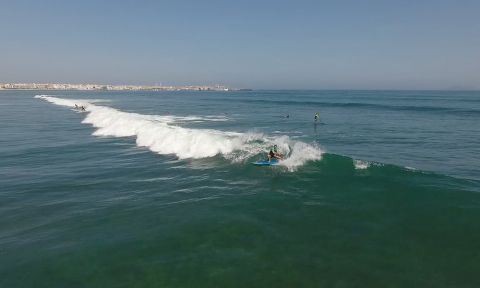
<point>271,154</point>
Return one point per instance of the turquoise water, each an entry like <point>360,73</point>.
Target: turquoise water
<point>157,189</point>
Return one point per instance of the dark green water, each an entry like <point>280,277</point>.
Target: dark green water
<point>158,198</point>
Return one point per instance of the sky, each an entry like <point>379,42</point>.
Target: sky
<point>336,44</point>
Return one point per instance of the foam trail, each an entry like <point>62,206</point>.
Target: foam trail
<point>160,135</point>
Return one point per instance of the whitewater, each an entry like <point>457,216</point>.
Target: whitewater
<point>163,134</point>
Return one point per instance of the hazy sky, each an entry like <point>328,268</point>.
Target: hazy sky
<point>421,44</point>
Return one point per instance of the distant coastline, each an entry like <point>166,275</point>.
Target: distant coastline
<point>89,87</point>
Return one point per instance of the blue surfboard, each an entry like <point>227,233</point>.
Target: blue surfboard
<point>272,162</point>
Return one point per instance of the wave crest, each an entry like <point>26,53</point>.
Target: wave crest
<point>160,134</point>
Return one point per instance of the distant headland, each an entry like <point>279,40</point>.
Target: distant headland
<point>86,87</point>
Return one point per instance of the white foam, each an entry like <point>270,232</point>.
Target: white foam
<point>301,153</point>
<point>66,102</point>
<point>87,103</point>
<point>359,164</point>
<point>162,135</point>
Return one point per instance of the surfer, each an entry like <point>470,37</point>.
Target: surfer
<point>271,155</point>
<point>82,108</point>
<point>317,116</point>
<point>274,154</point>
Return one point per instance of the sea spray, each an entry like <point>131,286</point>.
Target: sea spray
<point>301,153</point>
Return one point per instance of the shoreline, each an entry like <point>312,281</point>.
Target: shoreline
<point>106,87</point>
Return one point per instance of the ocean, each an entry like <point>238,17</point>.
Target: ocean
<point>158,189</point>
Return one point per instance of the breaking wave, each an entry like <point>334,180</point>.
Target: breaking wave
<point>163,135</point>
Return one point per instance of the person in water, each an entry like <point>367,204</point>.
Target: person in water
<point>271,155</point>
<point>83,108</point>
<point>274,154</point>
<point>317,116</point>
